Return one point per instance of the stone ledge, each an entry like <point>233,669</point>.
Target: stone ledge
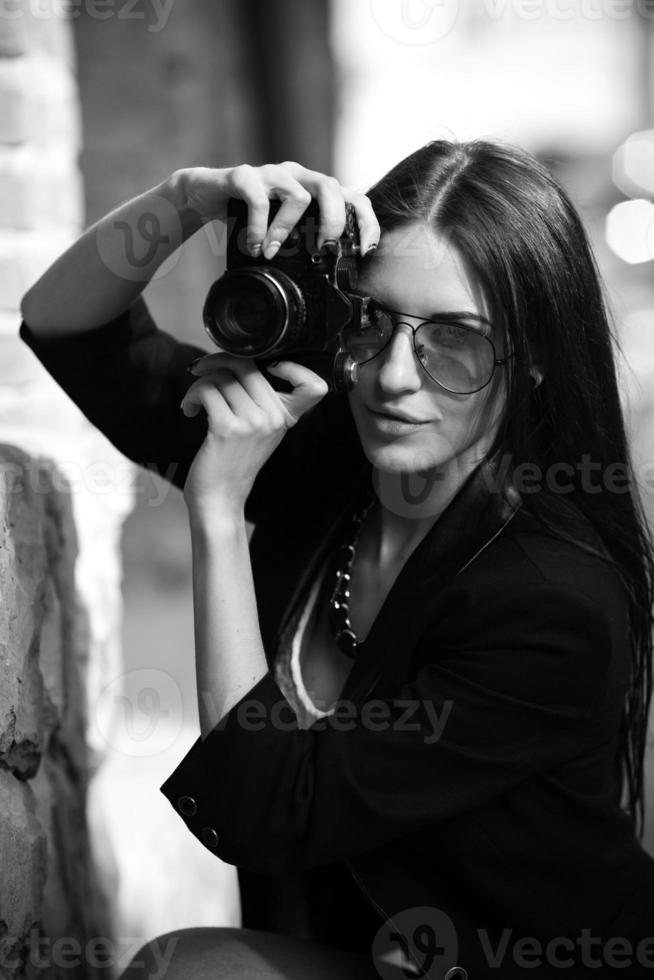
<point>48,874</point>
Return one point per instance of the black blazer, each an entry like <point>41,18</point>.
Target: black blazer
<point>502,828</point>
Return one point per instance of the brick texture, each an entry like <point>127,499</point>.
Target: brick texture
<point>60,599</point>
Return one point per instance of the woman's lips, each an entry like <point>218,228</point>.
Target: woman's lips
<point>394,423</point>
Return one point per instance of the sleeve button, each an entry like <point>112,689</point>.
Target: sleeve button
<point>187,806</point>
<point>209,837</point>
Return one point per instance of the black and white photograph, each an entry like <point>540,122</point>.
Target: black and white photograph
<point>326,489</point>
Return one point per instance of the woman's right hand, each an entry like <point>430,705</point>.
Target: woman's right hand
<point>206,192</point>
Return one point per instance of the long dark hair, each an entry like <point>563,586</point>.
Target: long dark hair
<point>520,233</point>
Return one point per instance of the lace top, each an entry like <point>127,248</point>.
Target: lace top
<point>287,665</point>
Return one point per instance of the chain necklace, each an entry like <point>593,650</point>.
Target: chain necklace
<point>339,603</point>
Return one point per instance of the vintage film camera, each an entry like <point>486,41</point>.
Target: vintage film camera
<point>293,306</point>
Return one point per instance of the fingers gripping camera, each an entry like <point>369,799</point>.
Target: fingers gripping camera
<point>294,305</point>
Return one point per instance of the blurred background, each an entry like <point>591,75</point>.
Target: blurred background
<point>347,87</point>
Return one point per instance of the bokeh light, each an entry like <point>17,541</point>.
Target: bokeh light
<point>630,230</point>
<point>633,164</point>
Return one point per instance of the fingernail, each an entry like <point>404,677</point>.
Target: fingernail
<point>255,250</point>
<point>371,249</point>
<point>331,245</point>
<point>271,249</point>
<point>194,366</point>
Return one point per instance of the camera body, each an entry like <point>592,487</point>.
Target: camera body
<point>293,306</point>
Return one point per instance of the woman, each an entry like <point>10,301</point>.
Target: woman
<point>443,764</point>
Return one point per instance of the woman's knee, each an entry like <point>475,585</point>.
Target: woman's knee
<point>184,953</point>
<point>242,954</point>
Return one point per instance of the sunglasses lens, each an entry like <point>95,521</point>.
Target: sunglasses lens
<point>370,338</point>
<point>456,356</point>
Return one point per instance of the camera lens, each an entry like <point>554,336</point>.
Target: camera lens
<point>249,311</point>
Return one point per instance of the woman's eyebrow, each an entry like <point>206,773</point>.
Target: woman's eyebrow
<point>460,315</point>
<point>444,315</point>
<point>436,315</point>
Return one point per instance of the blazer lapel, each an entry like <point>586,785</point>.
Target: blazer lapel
<point>472,520</point>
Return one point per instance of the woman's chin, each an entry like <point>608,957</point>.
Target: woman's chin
<point>402,460</point>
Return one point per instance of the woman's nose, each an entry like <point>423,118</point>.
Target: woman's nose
<point>399,368</point>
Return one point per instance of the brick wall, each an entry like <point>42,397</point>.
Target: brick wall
<point>60,599</point>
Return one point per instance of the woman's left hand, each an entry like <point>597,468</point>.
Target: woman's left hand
<point>247,419</point>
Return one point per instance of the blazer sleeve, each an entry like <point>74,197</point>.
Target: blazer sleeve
<point>128,377</point>
<point>516,694</point>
